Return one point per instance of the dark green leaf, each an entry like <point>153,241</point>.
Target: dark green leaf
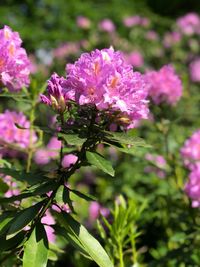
<point>3,187</point>
<point>36,248</point>
<point>24,217</point>
<point>30,178</point>
<point>84,196</point>
<point>72,139</point>
<point>9,244</point>
<point>124,138</point>
<point>100,162</point>
<point>88,242</point>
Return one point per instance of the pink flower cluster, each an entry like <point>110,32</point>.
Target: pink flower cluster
<point>14,63</point>
<point>192,186</point>
<point>194,69</point>
<point>171,38</point>
<point>10,134</point>
<point>190,153</point>
<point>189,24</point>
<point>104,78</point>
<point>164,85</point>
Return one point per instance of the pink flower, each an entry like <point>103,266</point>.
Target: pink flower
<point>159,163</point>
<point>192,187</point>
<point>11,134</point>
<point>171,38</point>
<point>57,93</point>
<point>13,187</point>
<point>164,85</point>
<point>45,155</point>
<point>152,35</point>
<point>190,152</point>
<point>48,220</point>
<point>189,24</point>
<point>131,21</point>
<point>14,63</point>
<point>103,78</point>
<point>83,22</point>
<point>195,70</point>
<point>135,59</point>
<point>95,209</point>
<point>69,160</point>
<point>107,25</point>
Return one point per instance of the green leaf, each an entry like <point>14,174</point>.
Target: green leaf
<point>100,162</point>
<point>9,244</point>
<point>3,187</point>
<point>36,248</point>
<point>5,219</point>
<point>87,242</point>
<point>24,217</point>
<point>30,178</point>
<point>72,139</point>
<point>81,195</point>
<point>124,138</point>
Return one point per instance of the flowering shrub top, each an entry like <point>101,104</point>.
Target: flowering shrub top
<point>164,85</point>
<point>14,63</point>
<point>104,79</point>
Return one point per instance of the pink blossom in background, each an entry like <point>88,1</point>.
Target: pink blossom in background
<point>103,78</point>
<point>192,186</point>
<point>106,25</point>
<point>189,24</point>
<point>13,187</point>
<point>10,134</point>
<point>131,21</point>
<point>95,210</point>
<point>190,151</point>
<point>136,20</point>
<point>48,220</point>
<point>14,62</point>
<point>171,38</point>
<point>83,22</point>
<point>194,69</point>
<point>66,49</point>
<point>45,155</point>
<point>69,160</point>
<point>135,58</point>
<point>152,35</point>
<point>164,85</point>
<point>159,163</point>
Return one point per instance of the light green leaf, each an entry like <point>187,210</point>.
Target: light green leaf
<point>36,248</point>
<point>91,246</point>
<point>100,162</point>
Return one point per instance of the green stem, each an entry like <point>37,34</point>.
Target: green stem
<point>121,259</point>
<point>30,149</point>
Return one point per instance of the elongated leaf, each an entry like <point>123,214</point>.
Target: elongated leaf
<point>12,242</point>
<point>88,242</point>
<point>84,196</point>
<point>30,178</point>
<point>124,138</point>
<point>36,248</point>
<point>72,139</point>
<point>24,217</point>
<point>5,220</point>
<point>100,162</point>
